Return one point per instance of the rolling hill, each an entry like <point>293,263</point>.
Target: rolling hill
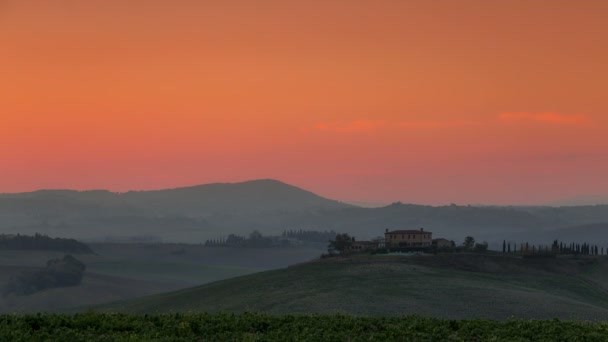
<point>445,286</point>
<point>212,211</point>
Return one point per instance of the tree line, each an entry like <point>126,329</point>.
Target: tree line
<point>257,240</point>
<point>556,248</point>
<point>342,244</point>
<point>254,240</point>
<point>42,242</point>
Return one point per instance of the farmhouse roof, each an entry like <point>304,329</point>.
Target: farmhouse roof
<point>408,232</point>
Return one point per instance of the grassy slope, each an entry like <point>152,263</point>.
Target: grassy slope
<point>459,286</point>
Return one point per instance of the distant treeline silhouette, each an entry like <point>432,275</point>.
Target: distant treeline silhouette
<point>310,235</point>
<point>255,240</point>
<point>287,238</point>
<point>556,248</point>
<point>42,242</point>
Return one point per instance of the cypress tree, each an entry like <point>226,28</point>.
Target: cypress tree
<point>504,246</point>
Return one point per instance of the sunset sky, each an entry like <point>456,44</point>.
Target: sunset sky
<point>431,102</point>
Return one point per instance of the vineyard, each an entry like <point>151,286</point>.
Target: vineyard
<point>258,327</point>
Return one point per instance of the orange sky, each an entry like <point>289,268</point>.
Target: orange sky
<point>469,101</point>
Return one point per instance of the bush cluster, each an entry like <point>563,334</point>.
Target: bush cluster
<point>58,273</point>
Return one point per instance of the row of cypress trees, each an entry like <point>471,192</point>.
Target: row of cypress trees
<point>558,247</point>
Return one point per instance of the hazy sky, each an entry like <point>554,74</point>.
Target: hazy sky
<point>468,101</point>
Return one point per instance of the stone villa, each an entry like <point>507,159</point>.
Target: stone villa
<point>408,238</point>
<point>401,238</point>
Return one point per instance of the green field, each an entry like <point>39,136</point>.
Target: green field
<point>256,327</point>
<point>446,286</point>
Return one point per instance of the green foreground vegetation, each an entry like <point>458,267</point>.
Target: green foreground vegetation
<point>258,327</point>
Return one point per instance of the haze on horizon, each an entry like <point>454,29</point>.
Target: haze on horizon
<point>479,102</point>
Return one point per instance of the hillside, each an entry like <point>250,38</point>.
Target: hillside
<point>447,286</point>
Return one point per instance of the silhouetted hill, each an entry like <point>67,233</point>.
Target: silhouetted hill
<point>198,213</point>
<point>220,198</point>
<point>240,198</point>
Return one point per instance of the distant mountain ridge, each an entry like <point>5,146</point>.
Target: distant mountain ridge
<point>196,214</point>
<point>244,197</point>
<point>250,196</point>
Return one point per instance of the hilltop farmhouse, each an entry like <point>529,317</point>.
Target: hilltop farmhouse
<point>408,238</point>
<point>417,239</point>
